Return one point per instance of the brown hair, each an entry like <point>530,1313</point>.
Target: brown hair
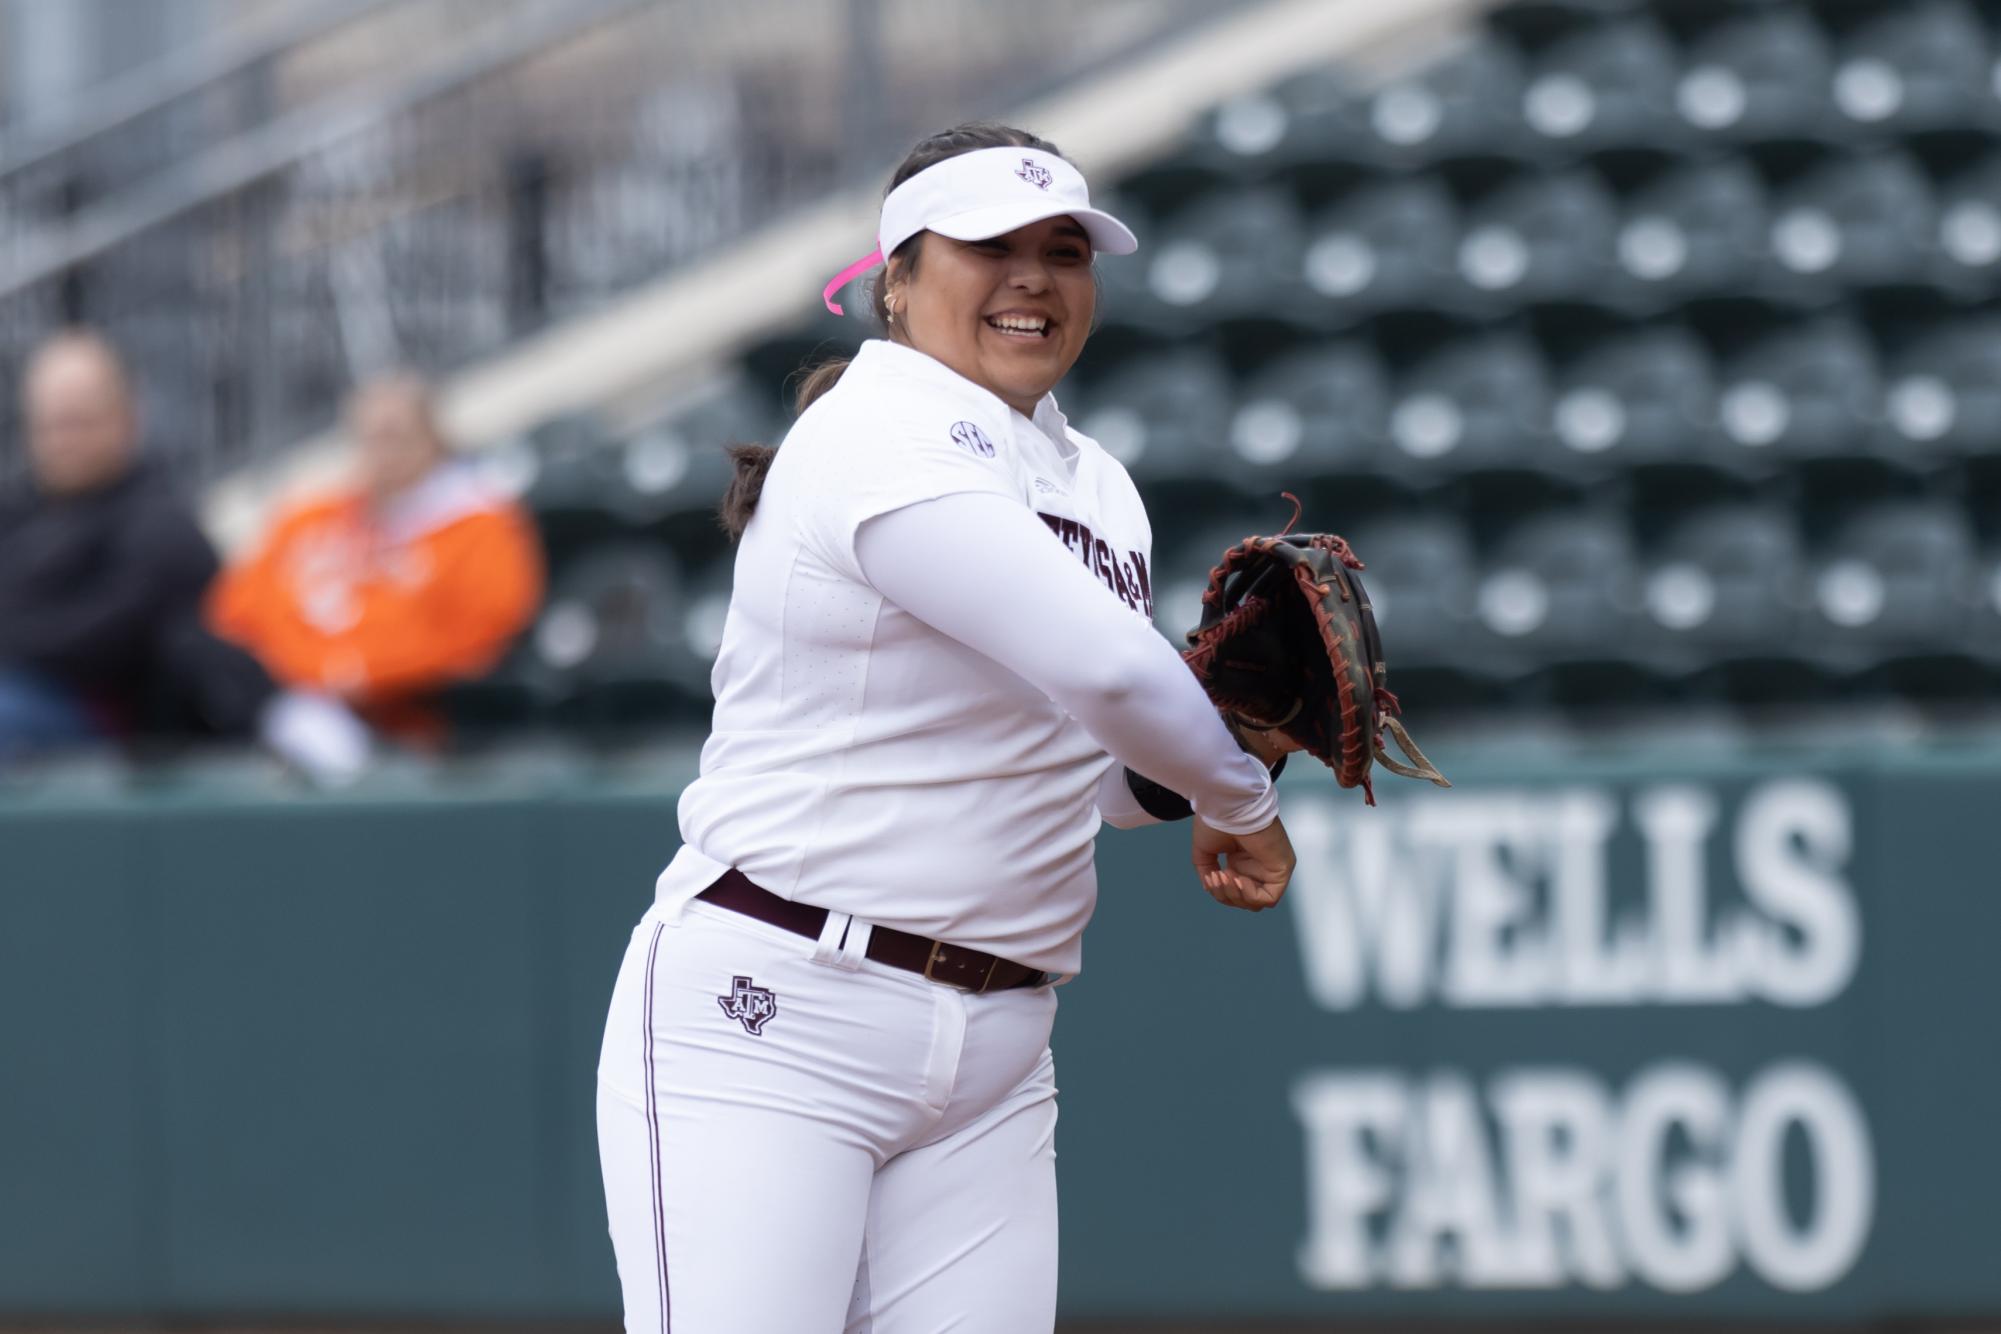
<point>754,461</point>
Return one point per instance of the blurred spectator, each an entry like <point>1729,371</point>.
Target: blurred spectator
<point>417,575</point>
<point>102,574</point>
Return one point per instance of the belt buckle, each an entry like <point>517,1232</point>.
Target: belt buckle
<point>938,948</point>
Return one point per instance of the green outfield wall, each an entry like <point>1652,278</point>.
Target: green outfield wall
<point>1667,1036</point>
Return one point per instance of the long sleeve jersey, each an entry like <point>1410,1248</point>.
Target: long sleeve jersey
<point>938,644</point>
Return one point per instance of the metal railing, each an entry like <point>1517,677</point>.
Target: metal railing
<point>210,69</point>
<point>525,170</point>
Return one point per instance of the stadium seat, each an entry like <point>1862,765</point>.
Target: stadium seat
<point>1968,253</point>
<point>1697,232</point>
<point>513,696</point>
<point>677,469</point>
<point>1809,390</point>
<point>1181,174</point>
<point>1606,86</point>
<point>1165,416</point>
<point>1321,410</point>
<point>1468,105</point>
<point>1759,78</point>
<point>1540,240</point>
<point>1853,224</point>
<point>1183,557</point>
<point>1385,247</point>
<point>1942,394</point>
<point>707,607</point>
<point>1646,398</point>
<point>1536,23</point>
<point>1318,119</point>
<point>1478,403</point>
<point>1229,254</point>
<point>1421,577</point>
<point>612,634</point>
<point>666,479</point>
<point>771,366</point>
<point>1728,584</point>
<point>566,469</point>
<point>1562,587</point>
<point>1899,580</point>
<point>1984,635</point>
<point>1125,297</point>
<point>1914,67</point>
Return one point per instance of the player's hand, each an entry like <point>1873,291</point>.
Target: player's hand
<point>1248,871</point>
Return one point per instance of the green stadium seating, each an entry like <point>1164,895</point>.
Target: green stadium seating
<point>1644,351</point>
<point>1762,77</point>
<point>1605,87</point>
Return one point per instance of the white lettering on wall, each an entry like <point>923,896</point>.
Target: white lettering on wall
<point>1688,964</point>
<point>1793,839</point>
<point>1812,1255</point>
<point>1348,1118</point>
<point>1557,1155</point>
<point>1550,1177</point>
<point>1673,1205</point>
<point>1503,898</point>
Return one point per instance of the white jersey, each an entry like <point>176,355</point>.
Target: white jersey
<point>864,762</point>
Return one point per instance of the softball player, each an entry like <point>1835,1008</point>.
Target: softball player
<point>825,1098</point>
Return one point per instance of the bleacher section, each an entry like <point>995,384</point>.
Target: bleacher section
<point>1648,355</point>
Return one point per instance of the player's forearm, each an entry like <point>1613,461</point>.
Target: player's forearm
<point>1028,605</point>
<point>1151,723</point>
<point>1139,800</point>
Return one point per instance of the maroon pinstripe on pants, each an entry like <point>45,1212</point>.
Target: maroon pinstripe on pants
<point>653,1141</point>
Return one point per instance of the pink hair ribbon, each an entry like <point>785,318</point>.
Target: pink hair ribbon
<point>853,270</point>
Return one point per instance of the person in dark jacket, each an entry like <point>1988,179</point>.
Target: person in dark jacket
<point>102,574</point>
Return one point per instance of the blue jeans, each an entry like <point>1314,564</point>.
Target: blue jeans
<point>37,714</point>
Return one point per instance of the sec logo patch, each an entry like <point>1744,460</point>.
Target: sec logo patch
<point>972,439</point>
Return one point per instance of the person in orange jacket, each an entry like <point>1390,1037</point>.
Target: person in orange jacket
<point>418,575</point>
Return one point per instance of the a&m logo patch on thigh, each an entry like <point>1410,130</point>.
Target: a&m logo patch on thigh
<point>749,1003</point>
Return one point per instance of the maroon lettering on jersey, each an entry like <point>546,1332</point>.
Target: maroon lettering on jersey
<point>1128,580</point>
<point>1104,564</point>
<point>1143,583</point>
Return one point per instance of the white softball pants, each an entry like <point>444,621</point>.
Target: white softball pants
<point>799,1140</point>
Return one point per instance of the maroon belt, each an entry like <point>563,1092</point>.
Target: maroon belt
<point>968,970</point>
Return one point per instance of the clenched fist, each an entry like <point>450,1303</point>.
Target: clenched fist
<point>1248,871</point>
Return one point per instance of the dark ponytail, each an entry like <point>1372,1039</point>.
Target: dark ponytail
<point>754,461</point>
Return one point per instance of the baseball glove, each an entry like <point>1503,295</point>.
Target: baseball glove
<point>1288,643</point>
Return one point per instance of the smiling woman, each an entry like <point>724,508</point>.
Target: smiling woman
<point>938,680</point>
<point>907,254</point>
<point>1010,312</point>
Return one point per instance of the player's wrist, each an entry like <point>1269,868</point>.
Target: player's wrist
<point>1245,817</point>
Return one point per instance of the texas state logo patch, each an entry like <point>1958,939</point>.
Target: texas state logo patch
<point>972,439</point>
<point>749,1004</point>
<point>1035,173</point>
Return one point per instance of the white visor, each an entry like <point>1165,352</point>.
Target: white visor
<point>988,192</point>
<point>992,191</point>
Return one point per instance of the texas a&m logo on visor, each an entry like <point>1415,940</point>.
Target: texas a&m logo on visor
<point>1035,173</point>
